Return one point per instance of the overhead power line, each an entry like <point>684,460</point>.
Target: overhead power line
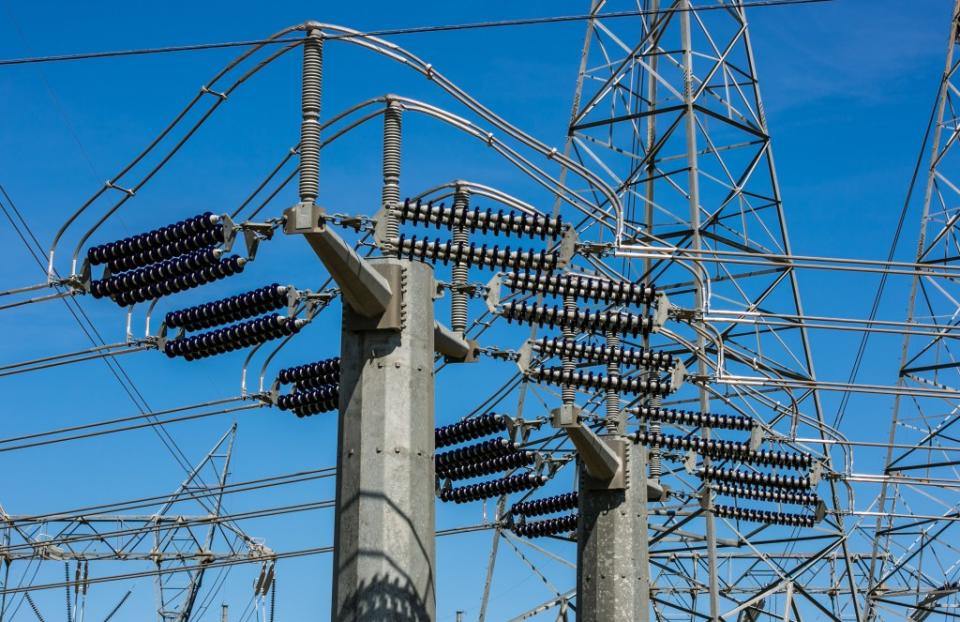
<point>392,32</point>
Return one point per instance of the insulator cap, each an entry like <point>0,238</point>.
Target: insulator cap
<point>549,527</point>
<point>582,287</point>
<point>493,488</point>
<point>154,239</point>
<point>470,254</point>
<point>234,337</point>
<point>508,223</point>
<point>582,320</point>
<point>589,380</point>
<point>300,373</point>
<point>764,516</point>
<point>720,449</point>
<point>602,353</point>
<point>469,429</point>
<point>548,505</point>
<point>692,418</point>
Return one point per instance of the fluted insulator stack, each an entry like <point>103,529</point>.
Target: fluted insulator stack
<point>764,516</point>
<point>547,505</point>
<point>582,320</point>
<point>514,460</point>
<point>226,267</point>
<point>317,382</point>
<point>507,223</point>
<point>549,527</point>
<point>582,287</point>
<point>167,277</point>
<point>602,353</point>
<point>766,494</point>
<point>469,254</point>
<point>493,488</point>
<point>316,387</point>
<point>153,274</point>
<point>480,452</point>
<point>469,429</point>
<point>231,309</point>
<point>597,382</point>
<point>753,478</point>
<point>164,261</point>
<point>233,337</point>
<point>189,232</point>
<point>311,401</point>
<point>300,373</point>
<point>209,238</point>
<point>692,418</point>
<point>720,449</point>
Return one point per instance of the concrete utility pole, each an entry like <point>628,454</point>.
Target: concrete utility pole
<point>384,539</point>
<point>384,556</point>
<point>613,573</point>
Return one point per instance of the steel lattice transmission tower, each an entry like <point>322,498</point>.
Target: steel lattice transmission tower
<point>668,107</point>
<point>915,571</point>
<point>185,534</point>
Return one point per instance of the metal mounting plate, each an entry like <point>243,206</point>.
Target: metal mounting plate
<point>620,479</point>
<point>392,317</point>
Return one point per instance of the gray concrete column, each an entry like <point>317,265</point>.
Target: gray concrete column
<point>384,560</point>
<point>613,573</point>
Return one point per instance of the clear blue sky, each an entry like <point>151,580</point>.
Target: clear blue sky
<point>847,87</point>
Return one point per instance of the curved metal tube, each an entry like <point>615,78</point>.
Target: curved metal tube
<point>221,98</point>
<point>112,182</point>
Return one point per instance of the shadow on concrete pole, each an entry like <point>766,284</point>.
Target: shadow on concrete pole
<point>384,539</point>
